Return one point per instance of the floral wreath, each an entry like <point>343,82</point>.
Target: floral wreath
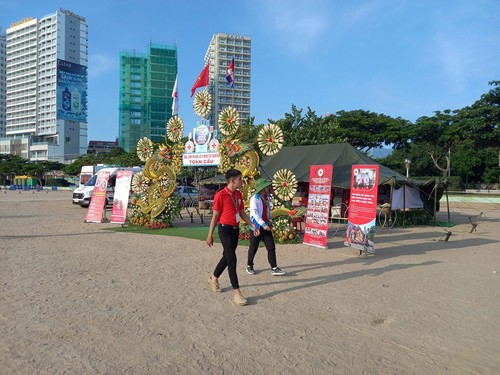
<point>270,139</point>
<point>175,129</point>
<point>285,184</point>
<point>144,149</point>
<point>229,120</point>
<point>202,103</point>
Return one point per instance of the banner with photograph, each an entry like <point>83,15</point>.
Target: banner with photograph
<point>96,206</point>
<point>362,208</point>
<point>71,91</point>
<point>120,198</point>
<point>318,205</point>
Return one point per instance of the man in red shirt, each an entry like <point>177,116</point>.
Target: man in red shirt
<point>228,208</point>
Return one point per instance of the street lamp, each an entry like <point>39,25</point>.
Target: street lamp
<point>407,164</point>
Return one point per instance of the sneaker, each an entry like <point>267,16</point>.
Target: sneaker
<point>276,271</point>
<point>239,299</point>
<point>214,284</point>
<point>250,270</point>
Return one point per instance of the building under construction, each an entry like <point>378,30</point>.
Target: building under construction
<point>146,84</point>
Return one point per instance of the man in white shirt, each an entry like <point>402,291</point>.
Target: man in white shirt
<point>260,215</point>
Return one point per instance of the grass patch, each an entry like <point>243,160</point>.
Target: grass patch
<point>444,224</point>
<point>194,233</point>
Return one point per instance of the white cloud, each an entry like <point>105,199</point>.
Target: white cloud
<point>101,64</point>
<point>356,14</point>
<point>298,26</point>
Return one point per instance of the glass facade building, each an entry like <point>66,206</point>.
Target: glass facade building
<point>146,84</point>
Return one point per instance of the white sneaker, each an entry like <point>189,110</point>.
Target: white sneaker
<point>276,271</point>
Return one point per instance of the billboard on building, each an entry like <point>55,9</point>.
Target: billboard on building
<point>71,91</point>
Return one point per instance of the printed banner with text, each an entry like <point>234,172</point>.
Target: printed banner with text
<point>362,208</point>
<point>96,206</point>
<point>318,205</point>
<point>120,199</point>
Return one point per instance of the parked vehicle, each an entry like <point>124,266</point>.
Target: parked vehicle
<point>88,171</point>
<point>188,195</point>
<point>83,195</point>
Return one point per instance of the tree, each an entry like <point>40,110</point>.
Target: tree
<point>436,136</point>
<point>248,131</point>
<point>11,165</point>
<point>290,126</point>
<point>421,163</point>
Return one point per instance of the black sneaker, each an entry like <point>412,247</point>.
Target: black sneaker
<point>276,271</point>
<point>250,270</point>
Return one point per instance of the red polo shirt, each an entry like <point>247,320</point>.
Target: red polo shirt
<point>228,204</point>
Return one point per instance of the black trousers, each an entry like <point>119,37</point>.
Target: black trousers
<point>229,239</point>
<point>267,237</point>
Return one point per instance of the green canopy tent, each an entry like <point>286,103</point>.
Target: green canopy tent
<point>342,155</point>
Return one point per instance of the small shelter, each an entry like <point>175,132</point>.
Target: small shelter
<point>342,155</point>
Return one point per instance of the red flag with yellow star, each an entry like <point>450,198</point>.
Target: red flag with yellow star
<point>202,80</point>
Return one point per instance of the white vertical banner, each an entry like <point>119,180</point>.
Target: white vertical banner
<point>175,99</point>
<point>120,199</point>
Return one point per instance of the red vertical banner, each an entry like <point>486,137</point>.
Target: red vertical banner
<point>318,205</point>
<point>96,206</point>
<point>362,208</point>
<point>120,198</point>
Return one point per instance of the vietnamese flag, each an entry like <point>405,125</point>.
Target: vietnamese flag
<point>202,80</point>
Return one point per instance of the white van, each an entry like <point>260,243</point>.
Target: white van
<point>88,171</point>
<point>83,195</point>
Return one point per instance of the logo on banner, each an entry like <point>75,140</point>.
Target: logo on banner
<point>202,146</point>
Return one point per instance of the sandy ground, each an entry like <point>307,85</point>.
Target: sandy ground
<point>76,299</point>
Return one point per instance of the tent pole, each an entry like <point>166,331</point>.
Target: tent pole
<point>447,203</point>
<point>404,204</point>
<point>435,201</point>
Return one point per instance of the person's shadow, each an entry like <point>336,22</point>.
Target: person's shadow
<point>302,283</point>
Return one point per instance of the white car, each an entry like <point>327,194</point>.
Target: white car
<point>188,195</point>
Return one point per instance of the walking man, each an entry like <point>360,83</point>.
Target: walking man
<point>260,215</point>
<point>228,208</point>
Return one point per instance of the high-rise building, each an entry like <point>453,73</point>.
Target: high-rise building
<point>221,50</point>
<point>3,79</point>
<point>46,88</point>
<point>146,84</point>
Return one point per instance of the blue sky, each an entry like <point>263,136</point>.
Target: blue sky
<point>403,58</point>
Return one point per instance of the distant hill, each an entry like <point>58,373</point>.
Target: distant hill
<point>380,152</point>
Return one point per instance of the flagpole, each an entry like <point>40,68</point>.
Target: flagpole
<point>234,85</point>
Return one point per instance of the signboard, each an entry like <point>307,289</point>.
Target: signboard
<point>362,208</point>
<point>96,206</point>
<point>202,147</point>
<point>208,158</point>
<point>120,198</point>
<point>318,205</point>
<point>71,91</point>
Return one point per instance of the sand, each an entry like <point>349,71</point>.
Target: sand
<point>76,299</point>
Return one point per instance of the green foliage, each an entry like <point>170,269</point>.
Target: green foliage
<point>12,165</point>
<point>56,182</point>
<point>414,217</point>
<point>116,156</point>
